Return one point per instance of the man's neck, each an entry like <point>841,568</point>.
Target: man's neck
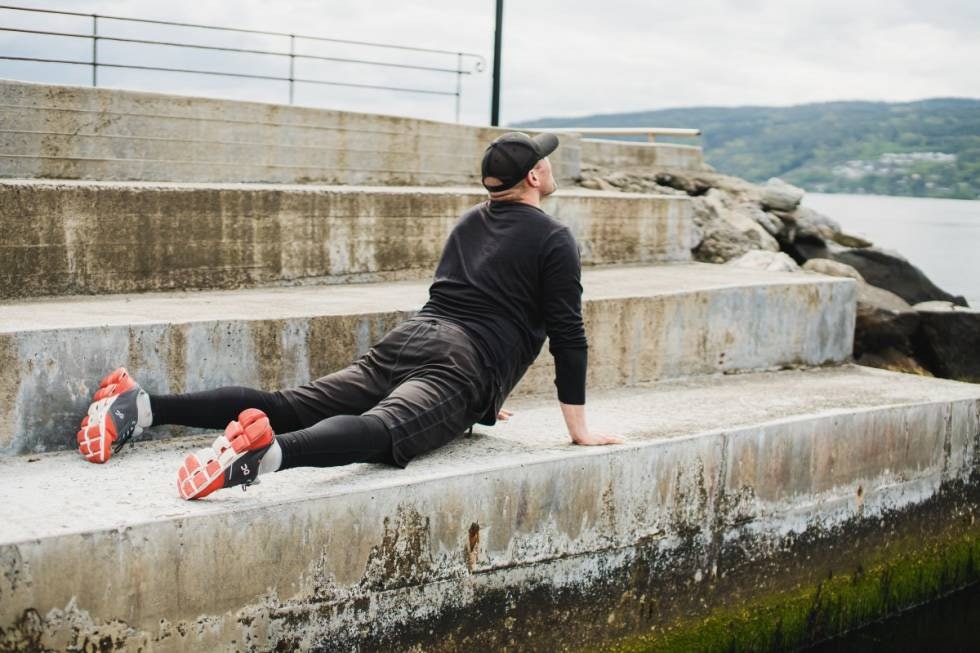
<point>534,199</point>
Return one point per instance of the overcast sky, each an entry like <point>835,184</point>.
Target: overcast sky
<point>560,58</point>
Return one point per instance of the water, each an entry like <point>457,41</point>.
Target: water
<point>948,625</point>
<point>940,237</point>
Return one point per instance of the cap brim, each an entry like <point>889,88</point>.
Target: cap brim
<point>546,143</point>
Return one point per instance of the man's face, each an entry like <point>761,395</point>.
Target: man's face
<point>546,177</point>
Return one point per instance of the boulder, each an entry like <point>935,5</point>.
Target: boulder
<point>850,240</point>
<point>737,188</point>
<point>780,196</point>
<point>891,359</point>
<point>890,270</point>
<point>832,268</point>
<point>765,260</point>
<point>948,340</point>
<point>766,220</point>
<point>804,222</point>
<point>726,231</point>
<point>884,321</point>
<point>690,184</point>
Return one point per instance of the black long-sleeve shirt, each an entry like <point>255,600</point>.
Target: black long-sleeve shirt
<point>509,275</point>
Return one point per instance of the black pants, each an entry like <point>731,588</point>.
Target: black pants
<point>419,387</point>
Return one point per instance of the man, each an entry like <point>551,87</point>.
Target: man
<point>508,276</point>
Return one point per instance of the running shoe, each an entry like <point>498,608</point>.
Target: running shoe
<point>114,416</point>
<point>233,458</point>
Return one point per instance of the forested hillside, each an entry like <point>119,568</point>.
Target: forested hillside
<point>928,148</point>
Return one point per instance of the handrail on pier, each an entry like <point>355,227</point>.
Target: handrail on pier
<point>650,132</point>
<point>459,64</point>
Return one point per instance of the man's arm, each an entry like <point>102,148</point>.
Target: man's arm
<point>562,304</point>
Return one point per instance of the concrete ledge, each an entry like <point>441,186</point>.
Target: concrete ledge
<point>643,323</point>
<point>77,132</point>
<point>687,520</point>
<point>625,154</point>
<point>60,238</point>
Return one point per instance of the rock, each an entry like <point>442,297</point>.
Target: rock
<point>804,248</point>
<point>605,185</point>
<point>764,260</point>
<point>948,340</point>
<point>687,183</point>
<point>777,194</point>
<point>618,179</point>
<point>884,320</point>
<point>804,222</point>
<point>737,188</point>
<point>891,359</point>
<point>850,240</point>
<point>937,305</point>
<point>891,271</point>
<point>832,268</point>
<point>766,220</point>
<point>591,183</point>
<point>727,233</point>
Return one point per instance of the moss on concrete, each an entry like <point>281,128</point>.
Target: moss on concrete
<point>908,571</point>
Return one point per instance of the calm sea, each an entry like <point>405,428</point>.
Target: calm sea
<point>940,237</point>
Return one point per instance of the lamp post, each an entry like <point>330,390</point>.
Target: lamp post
<point>495,99</point>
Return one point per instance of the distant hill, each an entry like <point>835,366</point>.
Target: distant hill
<point>928,148</point>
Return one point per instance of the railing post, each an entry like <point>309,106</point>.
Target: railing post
<point>459,81</point>
<point>292,61</point>
<point>651,137</point>
<point>95,50</point>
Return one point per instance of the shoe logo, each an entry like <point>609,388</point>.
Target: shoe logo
<point>245,470</point>
<point>119,414</point>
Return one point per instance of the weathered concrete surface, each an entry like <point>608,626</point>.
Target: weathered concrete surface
<point>78,132</point>
<point>59,238</point>
<point>643,324</point>
<point>696,526</point>
<point>623,155</point>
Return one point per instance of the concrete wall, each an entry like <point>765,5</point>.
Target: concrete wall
<point>767,525</point>
<point>643,324</point>
<point>620,155</point>
<point>61,238</point>
<point>77,132</point>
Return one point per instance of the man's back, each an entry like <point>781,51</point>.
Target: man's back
<point>510,275</point>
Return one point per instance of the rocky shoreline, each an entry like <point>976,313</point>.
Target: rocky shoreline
<point>904,321</point>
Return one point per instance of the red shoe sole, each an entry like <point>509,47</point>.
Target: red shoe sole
<point>95,440</point>
<point>203,472</point>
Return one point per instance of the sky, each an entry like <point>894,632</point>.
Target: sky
<point>560,59</point>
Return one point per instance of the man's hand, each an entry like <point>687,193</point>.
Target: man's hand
<point>575,421</point>
<point>597,438</point>
<point>504,415</point>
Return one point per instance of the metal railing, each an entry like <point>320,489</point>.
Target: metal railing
<point>466,63</point>
<point>650,132</point>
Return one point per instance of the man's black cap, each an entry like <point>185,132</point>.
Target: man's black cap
<point>511,157</point>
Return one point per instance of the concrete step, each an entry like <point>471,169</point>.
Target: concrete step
<point>78,237</point>
<point>644,323</point>
<point>491,537</point>
<point>77,132</point>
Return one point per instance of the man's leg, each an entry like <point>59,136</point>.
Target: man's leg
<point>213,409</point>
<point>428,411</point>
<point>337,440</point>
<point>331,431</point>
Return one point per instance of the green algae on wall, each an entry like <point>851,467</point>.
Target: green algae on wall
<point>908,572</point>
